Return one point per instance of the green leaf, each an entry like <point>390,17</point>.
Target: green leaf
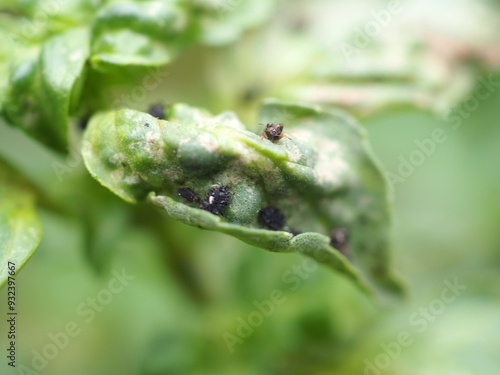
<point>33,21</point>
<point>43,90</point>
<point>20,230</point>
<point>221,22</point>
<point>148,33</point>
<point>321,177</point>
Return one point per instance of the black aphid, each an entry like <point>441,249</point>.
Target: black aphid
<point>272,218</point>
<point>188,195</point>
<point>157,110</point>
<point>339,238</point>
<point>124,165</point>
<point>216,200</point>
<point>83,122</point>
<point>146,125</point>
<point>273,132</point>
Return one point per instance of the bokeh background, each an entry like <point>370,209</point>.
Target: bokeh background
<point>420,70</point>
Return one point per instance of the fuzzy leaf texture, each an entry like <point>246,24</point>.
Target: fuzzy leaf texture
<point>321,177</point>
<point>20,229</point>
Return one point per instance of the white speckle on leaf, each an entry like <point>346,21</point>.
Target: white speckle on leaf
<point>207,142</point>
<point>132,179</point>
<point>154,146</point>
<point>331,168</point>
<point>117,158</point>
<point>294,153</point>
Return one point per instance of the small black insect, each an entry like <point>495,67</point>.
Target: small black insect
<point>146,125</point>
<point>217,200</point>
<point>188,195</point>
<point>339,238</point>
<point>272,218</point>
<point>273,132</point>
<point>157,110</point>
<point>83,122</point>
<point>124,165</point>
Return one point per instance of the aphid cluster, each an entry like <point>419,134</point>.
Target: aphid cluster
<point>272,218</point>
<point>215,202</point>
<point>273,132</point>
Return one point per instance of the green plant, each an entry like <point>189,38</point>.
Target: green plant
<point>321,176</point>
<point>122,121</point>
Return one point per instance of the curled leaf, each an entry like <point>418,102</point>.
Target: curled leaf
<point>318,177</point>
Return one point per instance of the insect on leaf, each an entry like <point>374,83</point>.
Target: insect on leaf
<point>286,195</point>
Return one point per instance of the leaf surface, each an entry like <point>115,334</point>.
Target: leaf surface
<point>20,230</point>
<point>321,177</point>
<point>43,89</point>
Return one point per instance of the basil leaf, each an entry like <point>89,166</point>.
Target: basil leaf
<point>321,177</point>
<point>148,33</point>
<point>20,229</point>
<point>43,90</point>
<point>222,22</point>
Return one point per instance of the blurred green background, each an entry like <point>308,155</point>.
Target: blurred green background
<point>189,288</point>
